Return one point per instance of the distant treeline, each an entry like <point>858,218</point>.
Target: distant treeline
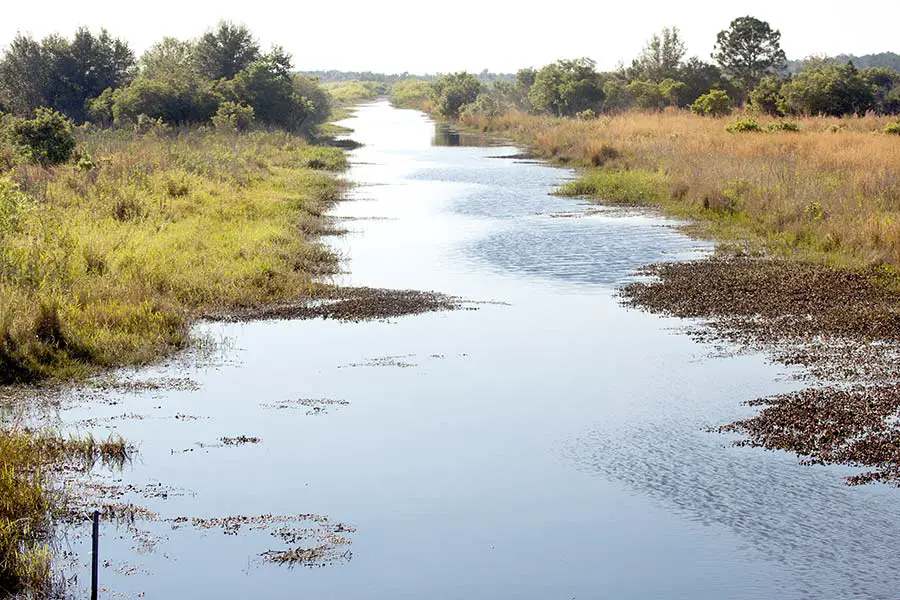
<point>223,78</point>
<point>484,76</point>
<point>883,60</point>
<point>750,68</point>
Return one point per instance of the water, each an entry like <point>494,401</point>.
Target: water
<point>550,444</point>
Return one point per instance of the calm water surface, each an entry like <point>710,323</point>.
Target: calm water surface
<point>550,444</point>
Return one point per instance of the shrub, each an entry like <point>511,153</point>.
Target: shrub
<point>783,126</point>
<point>743,126</point>
<point>232,116</point>
<point>714,104</point>
<point>47,139</point>
<point>11,202</point>
<point>892,128</point>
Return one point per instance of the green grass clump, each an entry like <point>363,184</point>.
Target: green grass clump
<point>892,128</point>
<point>106,262</point>
<point>637,186</point>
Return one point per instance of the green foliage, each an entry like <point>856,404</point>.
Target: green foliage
<point>827,89</point>
<point>488,105</point>
<point>714,104</point>
<point>232,116</point>
<point>661,57</point>
<point>766,97</point>
<point>748,50</point>
<point>699,77</point>
<point>63,74</point>
<point>12,202</point>
<point>348,92</point>
<point>892,128</point>
<point>567,87</point>
<point>47,139</point>
<point>743,126</point>
<point>410,93</point>
<point>158,99</point>
<point>634,186</point>
<point>226,51</point>
<point>451,93</point>
<point>783,126</point>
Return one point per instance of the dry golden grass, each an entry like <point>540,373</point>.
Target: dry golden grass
<point>831,190</point>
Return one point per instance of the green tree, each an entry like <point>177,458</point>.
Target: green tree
<point>699,77</point>
<point>47,139</point>
<point>748,50</point>
<point>451,93</point>
<point>63,74</point>
<point>827,89</point>
<point>885,85</point>
<point>226,51</point>
<point>767,98</point>
<point>567,87</point>
<point>617,95</point>
<point>24,73</point>
<point>661,57</point>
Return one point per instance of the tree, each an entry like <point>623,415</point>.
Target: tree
<point>661,57</point>
<point>23,76</point>
<point>766,97</point>
<point>828,89</point>
<point>567,87</point>
<point>63,74</point>
<point>748,50</point>
<point>699,77</point>
<point>226,51</point>
<point>451,93</point>
<point>885,85</point>
<point>171,60</point>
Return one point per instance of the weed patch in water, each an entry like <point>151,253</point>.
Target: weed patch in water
<point>841,325</point>
<point>351,304</point>
<point>313,406</point>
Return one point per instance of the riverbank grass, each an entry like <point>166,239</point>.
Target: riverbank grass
<point>823,188</point>
<point>107,261</point>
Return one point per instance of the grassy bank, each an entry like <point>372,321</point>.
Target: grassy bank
<point>105,262</point>
<point>830,190</point>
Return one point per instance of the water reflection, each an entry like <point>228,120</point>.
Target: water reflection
<point>445,135</point>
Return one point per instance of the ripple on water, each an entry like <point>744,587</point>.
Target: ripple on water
<point>809,522</point>
<point>598,249</point>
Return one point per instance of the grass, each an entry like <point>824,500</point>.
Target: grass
<point>412,93</point>
<point>821,188</point>
<point>28,502</point>
<point>107,262</point>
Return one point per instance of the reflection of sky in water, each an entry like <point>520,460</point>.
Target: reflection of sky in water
<point>548,447</point>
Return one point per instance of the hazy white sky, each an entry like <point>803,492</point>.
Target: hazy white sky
<point>402,35</point>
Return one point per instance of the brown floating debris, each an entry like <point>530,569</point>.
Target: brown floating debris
<point>843,326</point>
<point>351,304</point>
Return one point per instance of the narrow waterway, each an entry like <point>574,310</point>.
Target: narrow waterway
<point>550,444</point>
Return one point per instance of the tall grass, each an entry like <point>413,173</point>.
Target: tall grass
<point>830,190</point>
<point>105,262</point>
<point>29,503</point>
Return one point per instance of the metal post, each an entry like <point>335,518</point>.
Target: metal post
<point>95,556</point>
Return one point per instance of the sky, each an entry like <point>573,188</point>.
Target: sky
<point>393,36</point>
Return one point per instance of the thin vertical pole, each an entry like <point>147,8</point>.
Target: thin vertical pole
<point>95,555</point>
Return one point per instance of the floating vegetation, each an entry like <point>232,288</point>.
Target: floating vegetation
<point>857,426</point>
<point>239,440</point>
<point>313,406</point>
<point>352,304</point>
<point>841,325</point>
<point>385,361</point>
